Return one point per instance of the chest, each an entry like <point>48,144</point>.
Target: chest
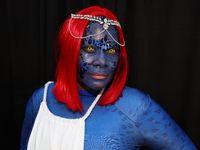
<point>106,127</point>
<point>111,129</point>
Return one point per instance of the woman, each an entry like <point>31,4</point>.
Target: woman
<point>89,107</point>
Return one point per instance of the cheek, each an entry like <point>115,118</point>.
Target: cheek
<point>84,57</point>
<point>84,62</point>
<point>113,62</point>
<point>83,66</point>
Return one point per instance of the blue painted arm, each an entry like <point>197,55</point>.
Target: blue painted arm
<point>160,131</point>
<point>30,115</point>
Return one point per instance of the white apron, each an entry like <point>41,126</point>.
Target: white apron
<point>52,132</point>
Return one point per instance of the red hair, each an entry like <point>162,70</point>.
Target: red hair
<point>66,87</point>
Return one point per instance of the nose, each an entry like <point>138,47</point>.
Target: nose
<point>101,60</point>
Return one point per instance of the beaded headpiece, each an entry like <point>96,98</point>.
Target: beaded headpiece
<point>105,22</point>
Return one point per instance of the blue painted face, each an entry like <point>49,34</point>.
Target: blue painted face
<point>99,57</point>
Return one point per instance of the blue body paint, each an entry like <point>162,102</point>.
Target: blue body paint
<point>99,57</point>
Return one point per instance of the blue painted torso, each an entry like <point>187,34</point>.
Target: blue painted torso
<point>135,120</point>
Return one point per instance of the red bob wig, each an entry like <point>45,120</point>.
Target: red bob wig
<point>68,47</point>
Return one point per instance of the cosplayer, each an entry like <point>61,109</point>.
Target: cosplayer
<point>89,107</point>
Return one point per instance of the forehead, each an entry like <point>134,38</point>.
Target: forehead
<point>95,28</point>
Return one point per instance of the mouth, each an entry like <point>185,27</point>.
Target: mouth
<point>99,76</point>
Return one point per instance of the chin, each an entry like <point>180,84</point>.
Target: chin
<point>97,86</point>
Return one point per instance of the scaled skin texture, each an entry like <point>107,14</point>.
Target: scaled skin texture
<point>99,56</point>
<point>135,120</point>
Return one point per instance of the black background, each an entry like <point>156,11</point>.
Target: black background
<point>162,36</point>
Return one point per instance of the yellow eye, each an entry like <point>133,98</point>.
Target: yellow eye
<point>112,51</point>
<point>89,49</point>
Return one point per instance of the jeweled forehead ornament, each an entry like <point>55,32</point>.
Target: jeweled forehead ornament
<point>105,21</point>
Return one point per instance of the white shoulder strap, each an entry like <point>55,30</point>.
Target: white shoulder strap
<point>90,108</point>
<point>46,89</point>
<point>93,104</point>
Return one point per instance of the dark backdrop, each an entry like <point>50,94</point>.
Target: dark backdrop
<point>163,38</point>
